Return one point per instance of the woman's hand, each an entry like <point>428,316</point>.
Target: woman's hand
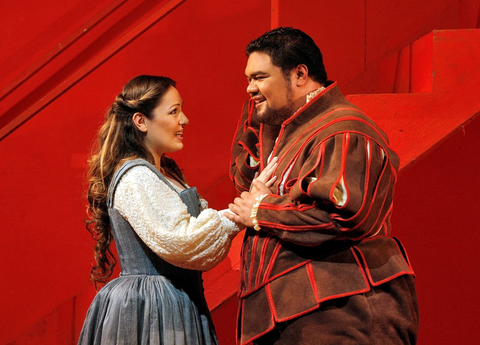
<point>265,176</point>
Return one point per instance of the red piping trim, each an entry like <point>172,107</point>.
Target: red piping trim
<point>299,314</point>
<point>364,201</point>
<point>270,301</point>
<point>311,277</point>
<point>293,228</point>
<point>252,262</point>
<point>272,261</point>
<point>380,178</point>
<point>367,271</point>
<point>305,106</point>
<point>287,207</point>
<point>273,278</point>
<point>262,260</point>
<point>302,177</point>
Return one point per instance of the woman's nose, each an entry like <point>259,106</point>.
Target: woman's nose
<point>183,119</point>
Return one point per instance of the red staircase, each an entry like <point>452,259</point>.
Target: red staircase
<point>438,85</point>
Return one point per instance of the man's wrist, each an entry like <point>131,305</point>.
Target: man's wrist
<point>253,214</point>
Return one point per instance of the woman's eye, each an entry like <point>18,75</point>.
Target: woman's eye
<point>174,111</point>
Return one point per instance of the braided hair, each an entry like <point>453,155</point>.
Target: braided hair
<point>118,140</point>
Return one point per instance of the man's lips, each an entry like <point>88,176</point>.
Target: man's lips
<point>259,100</point>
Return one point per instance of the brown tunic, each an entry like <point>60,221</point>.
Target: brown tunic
<point>325,229</point>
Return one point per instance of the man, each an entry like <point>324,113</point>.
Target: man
<point>318,263</point>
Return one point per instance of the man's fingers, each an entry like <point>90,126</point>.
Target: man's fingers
<point>261,187</point>
<point>234,208</point>
<point>271,181</point>
<point>267,172</point>
<point>244,194</point>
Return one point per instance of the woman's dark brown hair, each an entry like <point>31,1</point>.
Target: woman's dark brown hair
<point>118,140</point>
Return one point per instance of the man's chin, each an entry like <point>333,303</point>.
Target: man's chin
<point>272,117</point>
<point>261,117</point>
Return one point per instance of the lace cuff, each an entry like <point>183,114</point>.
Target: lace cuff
<point>255,206</point>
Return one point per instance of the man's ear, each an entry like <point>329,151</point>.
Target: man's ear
<point>301,74</point>
<point>139,122</point>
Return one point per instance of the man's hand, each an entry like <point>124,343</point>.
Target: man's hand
<point>265,176</point>
<point>242,206</point>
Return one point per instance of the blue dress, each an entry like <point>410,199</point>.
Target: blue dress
<point>152,302</point>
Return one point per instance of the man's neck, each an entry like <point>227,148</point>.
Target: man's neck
<point>307,93</point>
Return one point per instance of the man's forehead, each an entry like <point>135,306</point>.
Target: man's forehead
<point>258,63</point>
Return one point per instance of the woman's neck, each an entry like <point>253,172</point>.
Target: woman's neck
<point>171,176</point>
<point>158,162</point>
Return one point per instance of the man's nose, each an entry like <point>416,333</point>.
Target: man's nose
<point>252,87</point>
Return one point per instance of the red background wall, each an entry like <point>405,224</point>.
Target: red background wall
<point>62,63</point>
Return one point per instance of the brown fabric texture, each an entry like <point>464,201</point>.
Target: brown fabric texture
<point>316,244</point>
<point>387,314</point>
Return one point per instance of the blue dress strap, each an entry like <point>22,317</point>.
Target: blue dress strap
<point>189,196</point>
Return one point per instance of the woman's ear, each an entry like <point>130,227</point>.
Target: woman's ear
<point>139,122</point>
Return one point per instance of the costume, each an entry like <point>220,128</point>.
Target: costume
<point>325,229</point>
<point>163,240</point>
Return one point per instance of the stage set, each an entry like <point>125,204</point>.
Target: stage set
<point>411,65</point>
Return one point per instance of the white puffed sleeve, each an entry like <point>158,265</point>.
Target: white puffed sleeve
<point>162,221</point>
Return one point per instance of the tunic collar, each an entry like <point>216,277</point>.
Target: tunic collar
<point>312,94</point>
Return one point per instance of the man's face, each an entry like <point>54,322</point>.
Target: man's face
<point>269,88</point>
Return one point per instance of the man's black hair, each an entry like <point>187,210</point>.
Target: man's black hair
<point>288,48</point>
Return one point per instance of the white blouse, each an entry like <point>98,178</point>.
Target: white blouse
<point>161,220</point>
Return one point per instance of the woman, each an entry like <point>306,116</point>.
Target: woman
<point>164,233</point>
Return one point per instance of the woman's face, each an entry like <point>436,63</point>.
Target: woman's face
<point>165,129</point>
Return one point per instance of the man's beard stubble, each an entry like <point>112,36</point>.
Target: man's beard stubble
<point>275,117</point>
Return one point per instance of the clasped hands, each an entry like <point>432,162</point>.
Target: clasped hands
<point>241,208</point>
